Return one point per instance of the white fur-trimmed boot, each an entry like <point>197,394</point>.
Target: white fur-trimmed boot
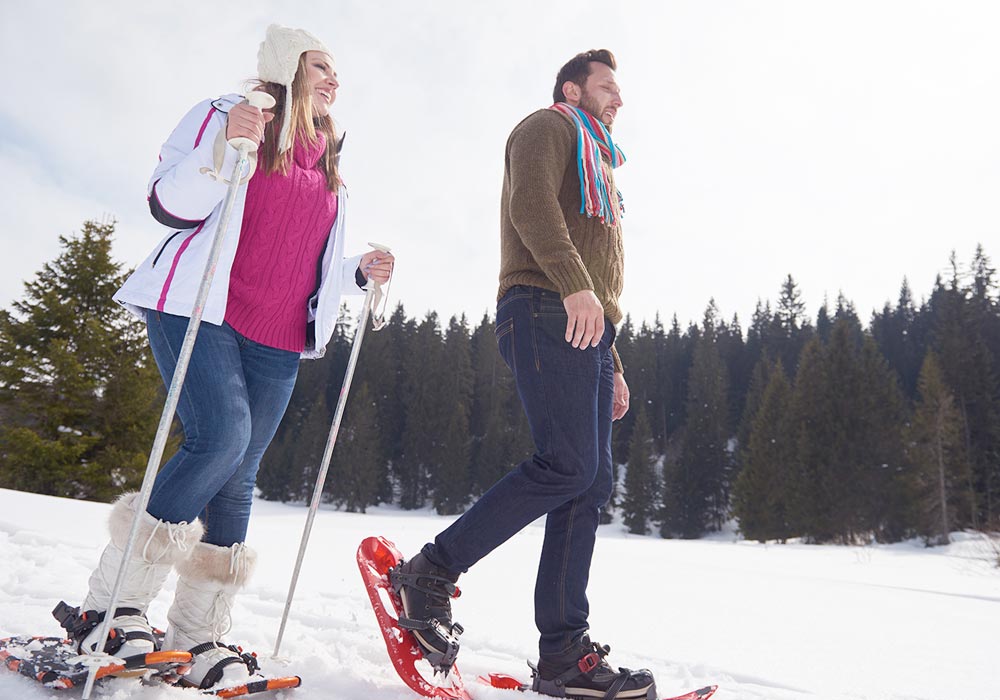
<point>157,548</point>
<point>202,613</point>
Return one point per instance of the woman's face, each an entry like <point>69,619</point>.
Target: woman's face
<point>322,81</point>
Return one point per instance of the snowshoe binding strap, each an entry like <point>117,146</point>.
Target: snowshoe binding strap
<point>442,589</point>
<point>441,661</point>
<point>442,654</point>
<point>78,625</point>
<point>214,674</point>
<point>557,686</point>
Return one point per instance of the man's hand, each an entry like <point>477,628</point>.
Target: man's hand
<point>585,325</point>
<point>620,407</point>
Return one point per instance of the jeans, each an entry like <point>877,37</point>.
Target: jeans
<point>567,394</point>
<point>234,395</point>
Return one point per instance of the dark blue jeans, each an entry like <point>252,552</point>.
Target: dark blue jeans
<point>567,395</point>
<point>234,395</point>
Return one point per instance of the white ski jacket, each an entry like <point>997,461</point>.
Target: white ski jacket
<point>188,200</point>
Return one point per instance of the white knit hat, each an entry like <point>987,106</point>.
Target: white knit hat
<point>277,61</point>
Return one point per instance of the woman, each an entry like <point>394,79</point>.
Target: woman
<point>274,299</point>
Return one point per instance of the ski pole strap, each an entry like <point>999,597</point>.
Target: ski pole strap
<point>378,317</point>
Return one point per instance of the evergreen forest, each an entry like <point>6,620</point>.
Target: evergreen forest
<point>828,428</point>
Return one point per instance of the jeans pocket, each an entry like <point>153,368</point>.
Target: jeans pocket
<point>551,306</point>
<point>554,355</point>
<point>505,341</point>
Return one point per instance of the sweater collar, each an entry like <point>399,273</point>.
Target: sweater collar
<point>308,154</point>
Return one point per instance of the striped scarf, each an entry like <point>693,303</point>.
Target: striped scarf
<point>594,141</point>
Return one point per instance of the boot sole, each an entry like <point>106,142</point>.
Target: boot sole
<point>648,692</point>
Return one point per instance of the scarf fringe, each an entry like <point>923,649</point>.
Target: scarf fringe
<point>593,142</point>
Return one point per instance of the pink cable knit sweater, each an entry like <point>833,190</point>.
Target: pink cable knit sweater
<point>286,221</point>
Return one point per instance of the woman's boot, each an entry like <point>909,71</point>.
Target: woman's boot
<point>157,548</point>
<point>201,614</point>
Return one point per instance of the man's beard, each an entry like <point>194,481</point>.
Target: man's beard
<point>589,105</point>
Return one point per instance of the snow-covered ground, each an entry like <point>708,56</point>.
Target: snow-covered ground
<point>762,621</point>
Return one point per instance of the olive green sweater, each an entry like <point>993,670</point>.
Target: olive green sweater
<point>544,239</point>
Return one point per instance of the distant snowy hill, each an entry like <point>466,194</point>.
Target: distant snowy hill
<point>775,622</point>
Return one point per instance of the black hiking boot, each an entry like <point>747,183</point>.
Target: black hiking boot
<point>581,672</point>
<point>425,591</point>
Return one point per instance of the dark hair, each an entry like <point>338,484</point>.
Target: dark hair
<point>578,68</point>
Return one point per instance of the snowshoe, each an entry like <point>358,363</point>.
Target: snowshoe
<point>55,662</point>
<point>377,559</point>
<point>508,682</point>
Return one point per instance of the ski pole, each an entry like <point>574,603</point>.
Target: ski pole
<point>245,147</point>
<point>372,291</point>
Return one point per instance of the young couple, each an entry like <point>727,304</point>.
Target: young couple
<point>275,300</point>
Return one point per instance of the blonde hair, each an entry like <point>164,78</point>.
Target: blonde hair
<point>303,126</point>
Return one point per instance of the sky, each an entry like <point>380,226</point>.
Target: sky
<point>763,621</point>
<point>849,144</point>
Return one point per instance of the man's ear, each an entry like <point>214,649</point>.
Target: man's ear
<point>571,92</point>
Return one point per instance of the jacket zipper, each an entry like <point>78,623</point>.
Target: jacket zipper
<point>164,247</point>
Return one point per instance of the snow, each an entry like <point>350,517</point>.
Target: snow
<point>780,622</point>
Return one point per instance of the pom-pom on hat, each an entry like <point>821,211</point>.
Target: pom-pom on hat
<point>277,61</point>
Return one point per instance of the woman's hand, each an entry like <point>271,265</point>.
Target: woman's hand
<point>377,265</point>
<point>248,122</point>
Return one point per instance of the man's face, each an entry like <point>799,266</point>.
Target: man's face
<point>601,95</point>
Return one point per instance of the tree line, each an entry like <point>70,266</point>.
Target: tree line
<point>825,428</point>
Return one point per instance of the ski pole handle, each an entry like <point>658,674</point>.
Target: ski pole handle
<point>258,99</point>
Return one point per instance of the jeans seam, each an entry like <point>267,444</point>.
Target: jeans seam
<point>534,348</point>
<point>182,394</point>
<point>508,299</point>
<point>565,563</point>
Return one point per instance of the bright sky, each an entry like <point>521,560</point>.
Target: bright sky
<point>847,143</point>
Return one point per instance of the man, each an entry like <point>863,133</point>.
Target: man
<point>560,278</point>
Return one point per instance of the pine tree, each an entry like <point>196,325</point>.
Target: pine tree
<point>824,324</point>
<point>968,368</point>
<point>789,329</point>
<point>809,508</point>
<point>450,461</point>
<point>848,418</point>
<point>638,503</point>
<point>759,495</point>
<point>759,380</point>
<point>381,365</point>
<point>699,484</point>
<point>497,422</point>
<point>354,468</point>
<point>897,332</point>
<point>424,400</point>
<point>936,450</point>
<point>300,467</point>
<point>884,488</point>
<point>80,394</point>
<point>625,346</point>
<point>289,467</point>
<point>984,312</point>
<point>677,350</point>
<point>739,369</point>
